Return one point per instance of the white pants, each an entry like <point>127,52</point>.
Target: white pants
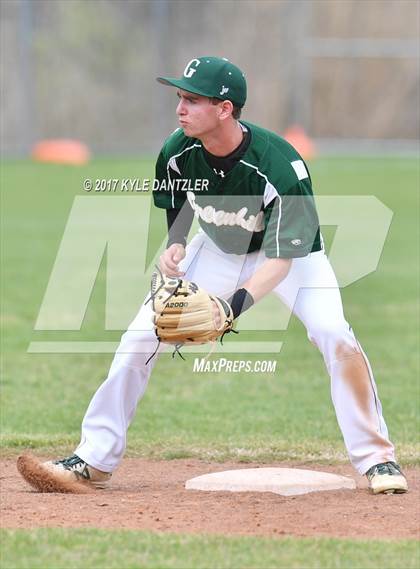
<point>311,291</point>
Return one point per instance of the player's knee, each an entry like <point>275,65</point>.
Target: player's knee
<point>337,334</point>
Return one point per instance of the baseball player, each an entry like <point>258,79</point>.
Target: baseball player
<point>259,233</point>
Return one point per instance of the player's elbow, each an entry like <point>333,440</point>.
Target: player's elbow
<point>282,266</point>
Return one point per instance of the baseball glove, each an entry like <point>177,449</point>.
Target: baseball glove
<point>183,312</point>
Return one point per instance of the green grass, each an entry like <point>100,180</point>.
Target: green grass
<point>60,549</point>
<point>246,417</point>
<point>208,416</point>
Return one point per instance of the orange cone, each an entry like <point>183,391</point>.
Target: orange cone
<point>297,137</point>
<point>61,151</point>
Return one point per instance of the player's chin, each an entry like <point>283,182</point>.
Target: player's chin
<point>188,130</point>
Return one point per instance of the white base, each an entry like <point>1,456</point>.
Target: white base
<point>284,481</point>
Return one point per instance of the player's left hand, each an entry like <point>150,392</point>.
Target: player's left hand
<point>185,313</point>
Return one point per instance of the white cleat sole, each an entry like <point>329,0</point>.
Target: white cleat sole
<point>386,484</point>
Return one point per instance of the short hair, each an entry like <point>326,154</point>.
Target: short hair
<point>236,111</point>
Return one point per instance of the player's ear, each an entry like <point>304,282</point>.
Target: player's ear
<point>226,109</point>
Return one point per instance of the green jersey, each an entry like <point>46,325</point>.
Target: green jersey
<point>264,202</point>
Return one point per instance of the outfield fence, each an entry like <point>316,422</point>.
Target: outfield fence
<point>346,70</point>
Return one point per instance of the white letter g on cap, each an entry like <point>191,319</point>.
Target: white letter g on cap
<point>191,67</point>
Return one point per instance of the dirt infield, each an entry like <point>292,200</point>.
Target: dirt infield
<point>150,495</point>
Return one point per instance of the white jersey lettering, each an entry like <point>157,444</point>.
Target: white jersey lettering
<point>220,217</point>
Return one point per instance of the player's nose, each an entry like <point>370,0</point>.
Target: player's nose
<point>180,110</point>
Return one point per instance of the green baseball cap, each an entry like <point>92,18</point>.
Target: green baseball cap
<point>211,77</point>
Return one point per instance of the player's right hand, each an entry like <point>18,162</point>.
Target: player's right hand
<point>170,259</point>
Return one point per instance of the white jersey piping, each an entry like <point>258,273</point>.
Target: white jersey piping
<point>270,184</point>
<point>173,158</point>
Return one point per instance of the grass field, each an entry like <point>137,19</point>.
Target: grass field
<point>53,549</point>
<point>266,417</point>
